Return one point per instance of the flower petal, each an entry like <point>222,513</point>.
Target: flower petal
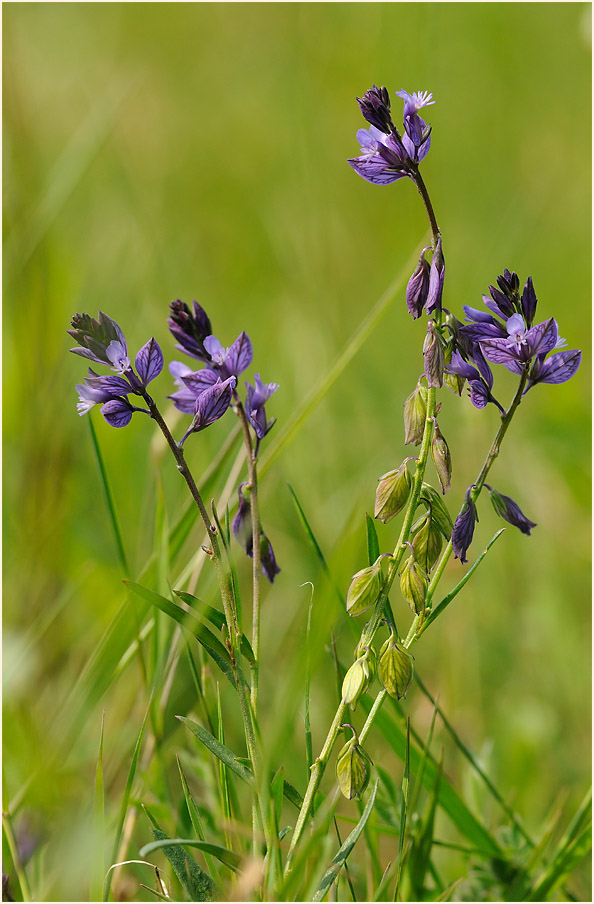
<point>149,361</point>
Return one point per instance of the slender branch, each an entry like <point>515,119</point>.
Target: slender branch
<point>422,189</point>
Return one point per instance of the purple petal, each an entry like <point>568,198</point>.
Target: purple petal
<point>483,330</point>
<point>149,361</point>
<point>199,381</point>
<point>117,354</point>
<point>178,369</point>
<point>498,351</point>
<point>483,367</point>
<point>480,316</point>
<point>117,412</point>
<point>529,301</point>
<point>109,384</point>
<point>184,400</point>
<point>461,367</point>
<point>215,349</point>
<point>375,170</point>
<point>515,324</point>
<point>542,338</point>
<point>479,394</point>
<point>559,368</point>
<point>240,354</point>
<point>213,402</point>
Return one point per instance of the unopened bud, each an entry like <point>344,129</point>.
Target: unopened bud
<point>392,493</point>
<point>415,413</point>
<point>441,459</point>
<point>433,356</point>
<point>413,585</point>
<point>395,668</point>
<point>418,287</point>
<point>352,769</point>
<point>365,589</point>
<point>427,543</point>
<point>358,678</point>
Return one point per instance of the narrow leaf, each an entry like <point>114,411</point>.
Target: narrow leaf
<point>373,548</point>
<point>98,870</point>
<point>333,870</point>
<point>227,857</point>
<point>108,497</point>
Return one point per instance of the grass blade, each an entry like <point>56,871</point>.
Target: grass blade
<point>126,800</point>
<point>98,869</point>
<point>108,497</point>
<point>196,820</point>
<point>333,870</point>
<point>403,810</point>
<point>227,857</point>
<point>373,547</point>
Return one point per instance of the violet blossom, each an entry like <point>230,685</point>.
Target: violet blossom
<point>255,400</point>
<point>464,526</point>
<point>243,533</point>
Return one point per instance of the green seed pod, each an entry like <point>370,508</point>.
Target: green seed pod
<point>427,543</point>
<point>352,769</point>
<point>439,513</point>
<point>395,668</point>
<point>441,458</point>
<point>364,589</point>
<point>415,412</point>
<point>413,585</point>
<point>392,493</point>
<point>358,678</point>
<point>454,382</point>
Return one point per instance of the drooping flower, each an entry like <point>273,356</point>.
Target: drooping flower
<point>510,511</point>
<point>418,286</point>
<point>255,400</point>
<point>436,280</point>
<point>243,533</point>
<point>464,527</point>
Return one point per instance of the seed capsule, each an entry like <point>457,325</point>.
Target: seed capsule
<point>395,668</point>
<point>427,543</point>
<point>352,769</point>
<point>364,589</point>
<point>359,677</point>
<point>415,412</point>
<point>392,493</point>
<point>441,459</point>
<point>413,585</point>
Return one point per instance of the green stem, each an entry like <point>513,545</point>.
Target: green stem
<point>422,189</point>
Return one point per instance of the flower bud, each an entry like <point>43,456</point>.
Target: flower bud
<point>427,543</point>
<point>433,356</point>
<point>415,412</point>
<point>365,589</point>
<point>358,678</point>
<point>510,511</point>
<point>418,287</point>
<point>392,493</point>
<point>395,668</point>
<point>441,459</point>
<point>413,585</point>
<point>352,769</point>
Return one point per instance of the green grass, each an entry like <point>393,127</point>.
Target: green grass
<point>156,151</point>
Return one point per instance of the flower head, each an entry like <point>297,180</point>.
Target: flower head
<point>230,361</point>
<point>211,405</point>
<point>375,107</point>
<point>190,328</point>
<point>383,158</point>
<point>255,400</point>
<point>97,336</point>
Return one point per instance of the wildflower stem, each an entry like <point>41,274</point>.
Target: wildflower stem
<point>422,189</point>
<point>256,550</point>
<point>228,603</point>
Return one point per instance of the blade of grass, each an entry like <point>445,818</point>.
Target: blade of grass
<point>339,860</point>
<point>98,867</point>
<point>403,811</point>
<point>419,858</point>
<point>308,738</point>
<point>197,824</point>
<point>108,497</point>
<point>373,547</point>
<point>226,857</point>
<point>126,800</point>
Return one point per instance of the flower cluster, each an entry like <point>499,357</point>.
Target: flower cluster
<point>506,336</point>
<point>385,155</point>
<point>103,342</point>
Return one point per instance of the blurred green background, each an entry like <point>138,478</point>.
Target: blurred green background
<point>159,151</point>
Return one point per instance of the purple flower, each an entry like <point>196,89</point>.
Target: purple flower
<point>436,279</point>
<point>229,361</point>
<point>464,527</point>
<point>417,139</point>
<point>418,286</point>
<point>375,107</point>
<point>383,158</point>
<point>242,531</point>
<point>102,341</point>
<point>510,511</point>
<point>511,340</point>
<point>211,405</point>
<point>255,401</point>
<point>190,329</point>
<point>191,383</point>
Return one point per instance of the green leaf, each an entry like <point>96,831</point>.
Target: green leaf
<point>420,853</point>
<point>216,618</point>
<point>211,644</point>
<point>333,870</point>
<point>373,547</point>
<point>108,497</point>
<point>196,820</point>
<point>194,879</point>
<point>227,857</point>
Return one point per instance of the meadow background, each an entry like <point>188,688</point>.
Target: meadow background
<point>160,151</point>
